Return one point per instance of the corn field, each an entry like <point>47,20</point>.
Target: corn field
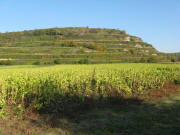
<point>53,86</point>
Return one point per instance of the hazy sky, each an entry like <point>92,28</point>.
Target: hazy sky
<point>155,21</point>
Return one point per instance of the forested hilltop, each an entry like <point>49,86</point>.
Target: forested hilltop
<point>75,45</point>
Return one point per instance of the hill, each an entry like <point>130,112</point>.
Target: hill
<point>75,45</point>
<point>178,56</point>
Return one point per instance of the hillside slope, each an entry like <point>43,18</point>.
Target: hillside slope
<point>74,45</point>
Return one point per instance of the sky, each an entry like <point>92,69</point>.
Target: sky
<point>155,21</point>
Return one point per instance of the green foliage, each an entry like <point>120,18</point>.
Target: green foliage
<point>5,62</point>
<point>57,61</point>
<point>57,88</point>
<point>37,63</point>
<point>132,51</point>
<point>73,44</point>
<point>152,60</point>
<point>62,33</point>
<point>48,63</point>
<point>84,61</point>
<point>95,46</point>
<point>177,78</point>
<point>92,46</point>
<point>143,60</point>
<point>178,56</point>
<point>173,59</point>
<point>46,44</point>
<point>69,44</point>
<point>101,48</point>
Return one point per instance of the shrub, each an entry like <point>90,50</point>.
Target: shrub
<point>142,60</point>
<point>173,59</point>
<point>84,61</point>
<point>48,63</point>
<point>6,62</point>
<point>177,79</point>
<point>132,51</point>
<point>57,61</point>
<point>36,63</point>
<point>69,44</point>
<point>95,46</point>
<point>152,60</point>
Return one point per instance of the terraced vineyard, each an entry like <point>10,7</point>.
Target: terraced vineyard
<point>53,88</point>
<point>73,45</point>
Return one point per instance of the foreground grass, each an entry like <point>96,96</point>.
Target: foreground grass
<point>161,117</point>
